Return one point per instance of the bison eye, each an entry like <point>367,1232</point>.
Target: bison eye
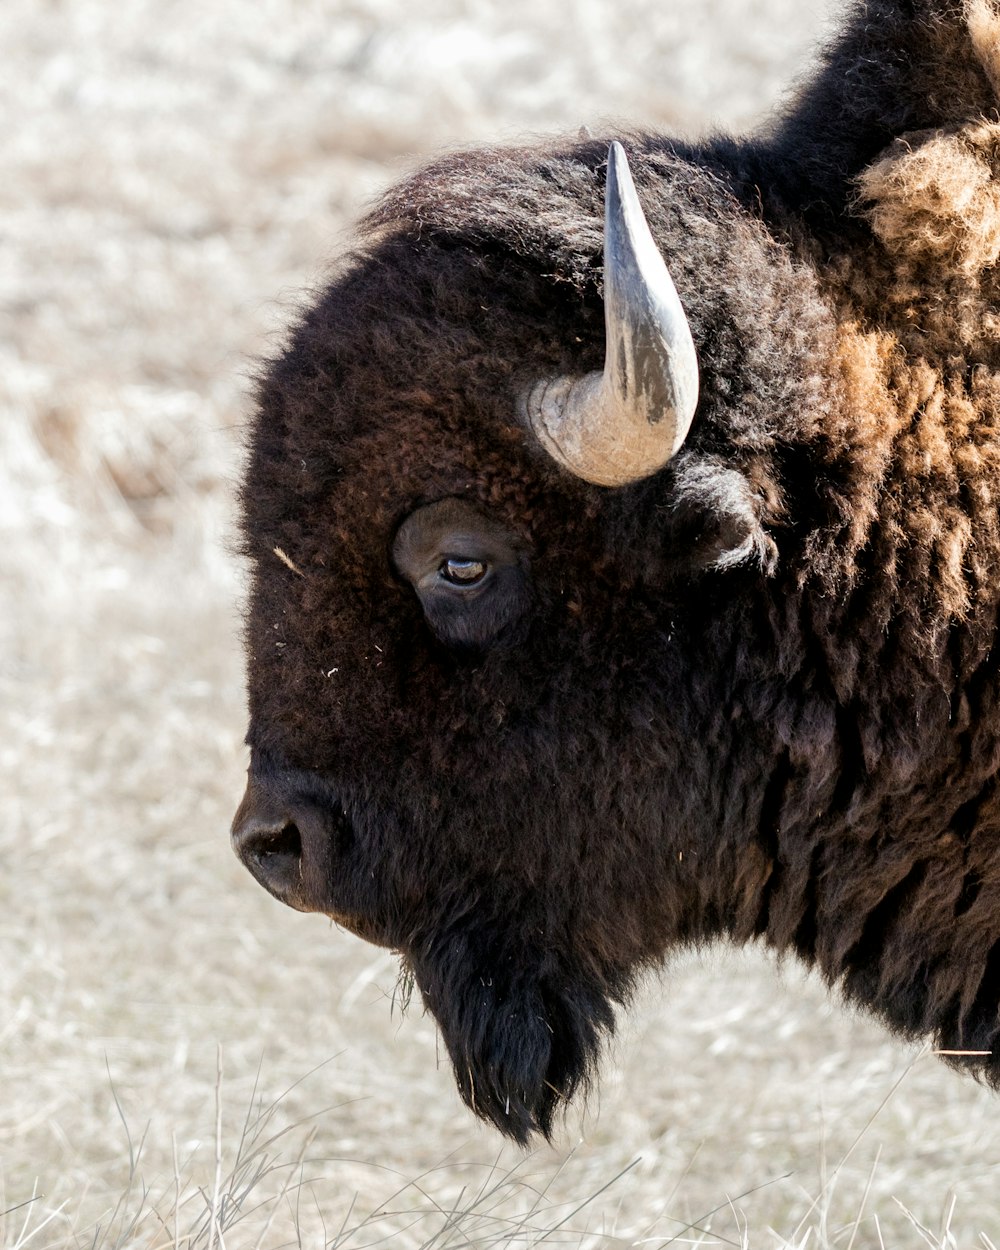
<point>462,572</point>
<point>474,599</point>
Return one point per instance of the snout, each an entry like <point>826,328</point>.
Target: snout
<point>286,847</point>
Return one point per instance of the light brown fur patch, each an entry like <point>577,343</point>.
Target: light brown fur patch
<point>925,509</point>
<point>934,196</point>
<point>984,29</point>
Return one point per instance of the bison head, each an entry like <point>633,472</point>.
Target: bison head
<point>504,618</point>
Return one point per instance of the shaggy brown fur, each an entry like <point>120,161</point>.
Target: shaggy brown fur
<point>752,697</point>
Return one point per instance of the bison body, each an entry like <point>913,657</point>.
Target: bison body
<point>534,732</point>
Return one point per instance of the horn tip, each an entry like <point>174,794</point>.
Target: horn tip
<point>617,160</point>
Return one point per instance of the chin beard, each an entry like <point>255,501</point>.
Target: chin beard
<point>523,1032</point>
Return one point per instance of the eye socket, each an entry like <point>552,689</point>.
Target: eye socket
<point>469,572</point>
<point>461,572</point>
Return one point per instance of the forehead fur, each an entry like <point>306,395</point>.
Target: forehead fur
<point>484,270</point>
<point>547,204</point>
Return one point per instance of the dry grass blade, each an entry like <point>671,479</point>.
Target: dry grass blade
<point>27,1234</point>
<point>18,1207</point>
<point>864,1199</point>
<point>697,1225</point>
<point>214,1227</point>
<point>177,1191</point>
<point>879,1108</point>
<point>126,1219</point>
<point>944,1241</point>
<point>587,1201</point>
<point>288,562</point>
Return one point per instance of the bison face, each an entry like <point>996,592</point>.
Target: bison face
<point>492,710</point>
<point>429,772</point>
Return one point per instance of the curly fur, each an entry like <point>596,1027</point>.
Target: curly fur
<point>756,697</point>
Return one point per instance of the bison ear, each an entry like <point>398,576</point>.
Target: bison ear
<point>624,423</point>
<point>719,516</point>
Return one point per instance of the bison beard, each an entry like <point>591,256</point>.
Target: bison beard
<point>522,1036</point>
<point>600,608</point>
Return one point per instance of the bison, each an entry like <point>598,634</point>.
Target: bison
<point>625,567</point>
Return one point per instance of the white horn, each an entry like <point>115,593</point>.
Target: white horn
<point>624,424</point>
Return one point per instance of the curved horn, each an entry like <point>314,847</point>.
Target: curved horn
<point>625,423</point>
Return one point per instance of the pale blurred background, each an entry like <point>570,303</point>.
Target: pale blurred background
<point>174,178</point>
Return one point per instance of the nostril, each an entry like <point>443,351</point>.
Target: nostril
<point>272,851</point>
<point>274,846</point>
<point>288,848</point>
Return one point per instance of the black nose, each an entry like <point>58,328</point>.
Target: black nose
<point>286,851</point>
<point>272,851</point>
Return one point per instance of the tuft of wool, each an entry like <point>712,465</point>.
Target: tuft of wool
<point>936,196</point>
<point>984,30</point>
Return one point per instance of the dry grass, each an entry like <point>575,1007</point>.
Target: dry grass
<point>172,175</point>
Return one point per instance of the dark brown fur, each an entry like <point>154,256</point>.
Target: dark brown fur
<point>756,696</point>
